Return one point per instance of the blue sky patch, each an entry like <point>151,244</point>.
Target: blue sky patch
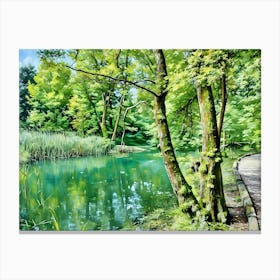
<point>28,57</point>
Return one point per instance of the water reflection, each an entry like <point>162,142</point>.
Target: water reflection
<point>105,193</point>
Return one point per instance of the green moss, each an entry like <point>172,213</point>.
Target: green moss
<point>203,168</point>
<point>182,190</point>
<point>210,186</point>
<point>218,159</point>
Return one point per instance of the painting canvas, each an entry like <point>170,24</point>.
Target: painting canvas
<point>140,140</point>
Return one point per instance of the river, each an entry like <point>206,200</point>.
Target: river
<point>93,193</point>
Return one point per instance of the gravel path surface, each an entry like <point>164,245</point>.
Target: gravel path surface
<point>249,168</point>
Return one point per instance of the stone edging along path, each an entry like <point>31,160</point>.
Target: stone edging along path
<point>245,197</point>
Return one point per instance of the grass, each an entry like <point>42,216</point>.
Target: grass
<point>42,145</point>
<point>174,220</point>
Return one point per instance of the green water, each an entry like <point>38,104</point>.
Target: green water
<point>104,193</point>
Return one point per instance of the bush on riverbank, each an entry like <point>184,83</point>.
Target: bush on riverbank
<point>173,220</point>
<point>42,145</point>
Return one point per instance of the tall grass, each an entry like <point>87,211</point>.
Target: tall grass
<point>42,145</point>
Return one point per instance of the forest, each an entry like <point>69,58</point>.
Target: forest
<point>135,139</point>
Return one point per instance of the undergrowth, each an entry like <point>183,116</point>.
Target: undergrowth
<point>174,220</point>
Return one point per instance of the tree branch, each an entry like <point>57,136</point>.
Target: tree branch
<point>147,80</point>
<point>117,58</point>
<point>114,79</point>
<point>186,106</point>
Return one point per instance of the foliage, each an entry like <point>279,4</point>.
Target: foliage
<point>243,119</point>
<point>66,100</point>
<point>175,220</point>
<point>49,98</point>
<point>242,122</point>
<point>26,77</point>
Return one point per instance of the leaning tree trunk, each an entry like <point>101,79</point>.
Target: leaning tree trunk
<point>124,116</point>
<point>114,135</point>
<point>183,191</point>
<point>211,183</point>
<point>105,97</point>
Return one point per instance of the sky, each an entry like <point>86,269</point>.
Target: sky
<point>28,56</point>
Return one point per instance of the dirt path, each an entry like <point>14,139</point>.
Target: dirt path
<point>238,219</point>
<point>249,168</point>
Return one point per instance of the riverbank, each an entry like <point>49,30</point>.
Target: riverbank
<point>174,220</point>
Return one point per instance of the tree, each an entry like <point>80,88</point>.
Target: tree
<point>49,97</point>
<point>159,89</point>
<point>118,117</point>
<point>180,186</point>
<point>26,77</point>
<point>108,96</point>
<point>243,122</point>
<point>83,109</point>
<point>181,103</point>
<point>211,183</point>
<point>206,70</point>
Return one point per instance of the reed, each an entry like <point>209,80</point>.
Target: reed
<point>43,145</point>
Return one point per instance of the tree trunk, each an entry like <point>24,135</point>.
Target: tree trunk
<point>223,105</point>
<point>110,116</point>
<point>183,191</point>
<point>114,135</point>
<point>105,97</point>
<point>211,183</point>
<point>92,104</point>
<point>124,116</point>
<point>180,187</point>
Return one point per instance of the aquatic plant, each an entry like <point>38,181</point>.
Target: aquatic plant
<point>43,145</point>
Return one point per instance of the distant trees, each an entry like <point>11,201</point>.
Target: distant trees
<point>26,77</point>
<point>49,97</point>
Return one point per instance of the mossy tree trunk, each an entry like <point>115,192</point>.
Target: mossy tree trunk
<point>211,183</point>
<point>183,191</point>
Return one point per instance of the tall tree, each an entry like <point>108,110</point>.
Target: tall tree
<point>180,186</point>
<point>118,117</point>
<point>83,107</point>
<point>206,71</point>
<point>211,184</point>
<point>26,77</point>
<point>49,97</point>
